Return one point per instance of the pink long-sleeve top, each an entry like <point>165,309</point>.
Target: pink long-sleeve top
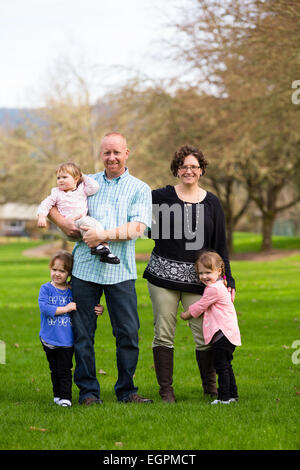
<point>70,203</point>
<point>219,313</point>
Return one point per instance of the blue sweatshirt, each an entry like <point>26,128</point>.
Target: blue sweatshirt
<point>55,329</point>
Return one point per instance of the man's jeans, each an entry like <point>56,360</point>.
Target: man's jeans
<point>122,308</point>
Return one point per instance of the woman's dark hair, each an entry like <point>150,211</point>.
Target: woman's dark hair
<point>182,153</point>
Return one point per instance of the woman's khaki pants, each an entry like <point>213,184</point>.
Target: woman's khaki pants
<point>165,303</point>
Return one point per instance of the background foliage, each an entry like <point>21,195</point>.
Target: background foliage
<point>233,100</point>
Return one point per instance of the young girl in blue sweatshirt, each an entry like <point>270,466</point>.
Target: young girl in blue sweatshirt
<point>56,335</point>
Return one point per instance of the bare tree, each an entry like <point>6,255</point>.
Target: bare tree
<point>233,49</point>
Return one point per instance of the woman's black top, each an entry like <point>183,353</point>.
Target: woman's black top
<point>176,225</point>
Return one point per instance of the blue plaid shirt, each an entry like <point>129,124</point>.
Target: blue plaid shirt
<point>118,201</point>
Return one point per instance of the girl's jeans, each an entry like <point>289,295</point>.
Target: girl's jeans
<point>222,357</point>
<point>60,363</point>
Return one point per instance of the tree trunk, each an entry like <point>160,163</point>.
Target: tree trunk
<point>225,190</point>
<point>229,215</point>
<point>64,244</point>
<point>267,228</point>
<point>229,236</point>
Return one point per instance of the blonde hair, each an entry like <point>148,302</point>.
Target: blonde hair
<point>108,134</point>
<point>65,257</point>
<point>72,169</point>
<point>211,260</point>
<point>113,133</point>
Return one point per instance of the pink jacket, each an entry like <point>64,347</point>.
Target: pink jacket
<point>71,203</point>
<point>219,313</point>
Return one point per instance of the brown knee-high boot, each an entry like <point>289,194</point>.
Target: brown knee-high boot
<point>207,372</point>
<point>163,363</point>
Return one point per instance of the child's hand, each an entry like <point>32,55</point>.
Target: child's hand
<point>99,309</point>
<point>42,221</point>
<point>185,315</point>
<point>70,307</point>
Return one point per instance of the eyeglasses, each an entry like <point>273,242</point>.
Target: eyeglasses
<point>189,167</point>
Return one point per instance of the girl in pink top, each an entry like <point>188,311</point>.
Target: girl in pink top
<point>70,198</point>
<point>220,325</point>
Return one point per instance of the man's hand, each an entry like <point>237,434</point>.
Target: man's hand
<point>93,236</point>
<point>125,232</point>
<point>66,225</point>
<point>69,228</point>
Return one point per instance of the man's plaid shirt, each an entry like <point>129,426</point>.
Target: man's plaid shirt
<point>118,201</point>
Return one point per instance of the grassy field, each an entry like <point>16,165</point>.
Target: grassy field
<point>267,416</point>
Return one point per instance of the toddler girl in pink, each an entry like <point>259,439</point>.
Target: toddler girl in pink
<point>220,325</point>
<point>70,198</point>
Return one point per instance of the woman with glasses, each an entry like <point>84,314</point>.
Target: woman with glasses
<point>186,219</point>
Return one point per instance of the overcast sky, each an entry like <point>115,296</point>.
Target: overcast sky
<point>35,33</point>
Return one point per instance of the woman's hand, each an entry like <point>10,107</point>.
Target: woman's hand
<point>231,291</point>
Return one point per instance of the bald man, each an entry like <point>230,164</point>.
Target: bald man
<point>123,205</point>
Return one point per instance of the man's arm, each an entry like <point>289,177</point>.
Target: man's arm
<point>125,232</point>
<point>66,225</point>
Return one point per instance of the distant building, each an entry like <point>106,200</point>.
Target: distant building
<point>17,219</point>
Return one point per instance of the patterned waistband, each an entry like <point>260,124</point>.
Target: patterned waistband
<point>172,270</point>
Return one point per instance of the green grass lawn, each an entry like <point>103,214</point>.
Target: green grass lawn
<point>251,242</point>
<point>244,242</point>
<point>266,417</point>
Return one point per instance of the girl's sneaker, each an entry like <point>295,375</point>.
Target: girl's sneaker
<point>56,400</point>
<point>224,402</point>
<point>232,400</point>
<point>63,402</point>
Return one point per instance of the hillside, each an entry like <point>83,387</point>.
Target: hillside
<point>13,117</point>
